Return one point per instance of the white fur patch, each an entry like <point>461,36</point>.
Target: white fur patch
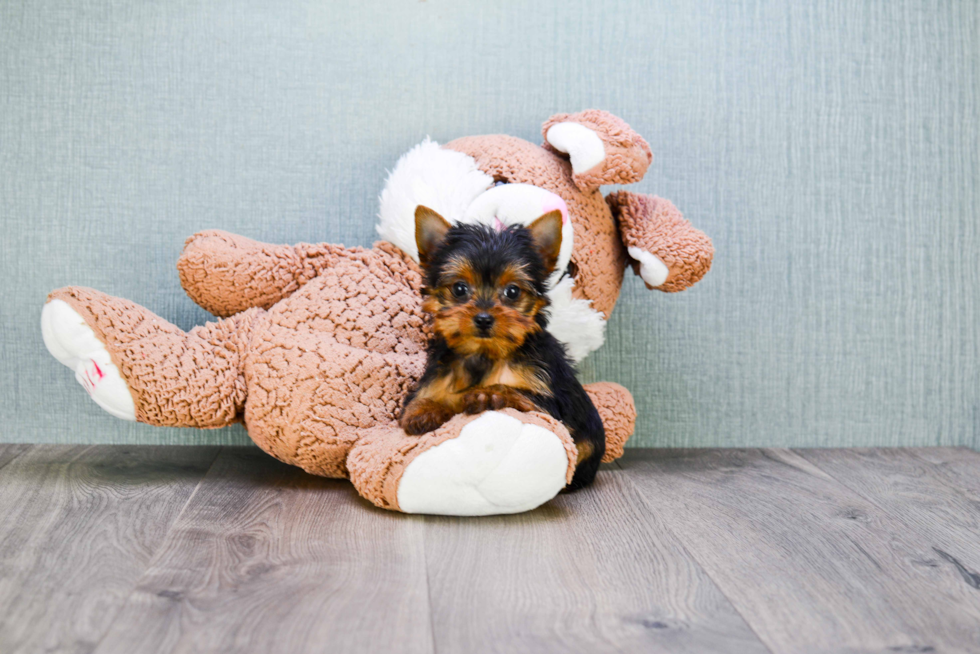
<point>574,322</point>
<point>581,144</point>
<point>444,180</point>
<point>496,465</point>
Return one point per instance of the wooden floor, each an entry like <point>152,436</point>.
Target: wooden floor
<point>167,549</point>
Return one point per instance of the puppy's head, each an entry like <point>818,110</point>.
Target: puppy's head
<point>485,286</point>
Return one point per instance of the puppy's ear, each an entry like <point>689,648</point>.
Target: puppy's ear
<point>546,233</point>
<point>430,229</point>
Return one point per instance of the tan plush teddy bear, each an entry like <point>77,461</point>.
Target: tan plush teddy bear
<point>319,344</point>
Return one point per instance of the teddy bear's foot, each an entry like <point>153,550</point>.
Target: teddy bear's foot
<point>71,341</point>
<point>497,464</point>
<point>494,463</point>
<point>618,412</point>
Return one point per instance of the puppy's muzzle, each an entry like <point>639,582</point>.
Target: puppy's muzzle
<point>483,322</point>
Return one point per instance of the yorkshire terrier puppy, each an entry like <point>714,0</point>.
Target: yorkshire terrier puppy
<point>486,288</point>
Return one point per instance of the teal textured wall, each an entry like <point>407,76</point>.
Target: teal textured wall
<point>832,151</point>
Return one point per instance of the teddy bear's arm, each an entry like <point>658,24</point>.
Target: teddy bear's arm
<point>226,274</point>
<point>665,250</point>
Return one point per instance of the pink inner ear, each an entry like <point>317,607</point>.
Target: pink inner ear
<point>499,226</point>
<point>553,203</point>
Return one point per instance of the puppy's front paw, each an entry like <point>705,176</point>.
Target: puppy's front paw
<point>508,398</point>
<point>476,401</point>
<point>496,397</point>
<point>424,416</point>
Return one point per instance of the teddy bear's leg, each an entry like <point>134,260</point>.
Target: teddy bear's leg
<point>618,412</point>
<point>137,366</point>
<point>493,463</point>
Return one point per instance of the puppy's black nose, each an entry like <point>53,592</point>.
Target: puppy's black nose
<point>483,321</point>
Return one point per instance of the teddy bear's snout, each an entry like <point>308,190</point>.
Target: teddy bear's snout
<point>504,205</point>
<point>514,204</point>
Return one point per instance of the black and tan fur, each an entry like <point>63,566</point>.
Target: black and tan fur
<point>486,289</point>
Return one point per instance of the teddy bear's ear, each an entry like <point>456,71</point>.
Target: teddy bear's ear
<point>602,148</point>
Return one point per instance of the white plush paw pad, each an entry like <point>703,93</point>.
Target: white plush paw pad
<point>496,465</point>
<point>71,341</point>
<point>582,145</point>
<point>653,271</point>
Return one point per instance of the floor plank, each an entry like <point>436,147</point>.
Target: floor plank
<point>593,571</point>
<point>912,490</point>
<point>266,558</point>
<point>10,451</point>
<point>810,564</point>
<point>957,466</point>
<point>78,525</point>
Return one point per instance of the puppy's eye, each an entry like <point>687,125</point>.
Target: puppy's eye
<point>512,291</point>
<point>460,289</point>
